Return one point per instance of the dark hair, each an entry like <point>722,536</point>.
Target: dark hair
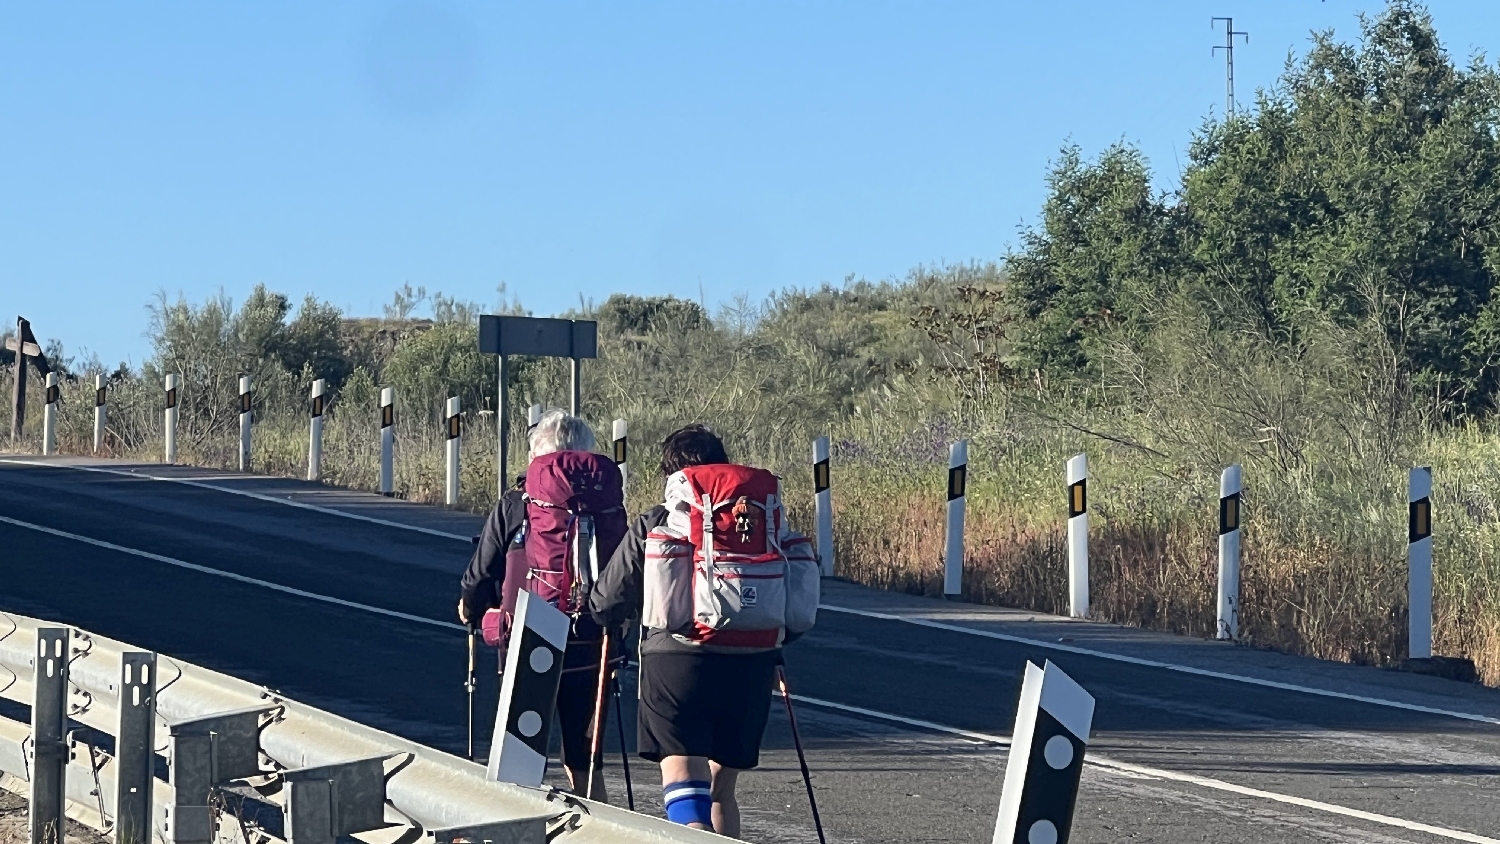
<point>694,445</point>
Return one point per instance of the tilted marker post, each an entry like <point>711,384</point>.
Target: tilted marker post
<point>170,416</point>
<point>1078,536</point>
<point>387,438</point>
<point>315,433</point>
<point>452,432</point>
<point>528,692</point>
<point>245,419</point>
<point>622,451</point>
<point>1053,722</point>
<point>958,480</point>
<point>1419,563</point>
<point>1229,553</point>
<point>823,505</point>
<point>49,415</point>
<point>101,411</point>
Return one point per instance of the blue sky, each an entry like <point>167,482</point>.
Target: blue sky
<point>573,149</point>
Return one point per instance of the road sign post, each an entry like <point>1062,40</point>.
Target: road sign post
<point>538,337</point>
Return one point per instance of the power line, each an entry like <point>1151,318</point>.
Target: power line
<point>1228,48</point>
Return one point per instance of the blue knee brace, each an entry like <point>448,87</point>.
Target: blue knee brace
<point>688,802</point>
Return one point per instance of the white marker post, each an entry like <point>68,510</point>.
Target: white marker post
<point>315,433</point>
<point>958,478</point>
<point>823,505</point>
<point>622,451</point>
<point>1419,562</point>
<point>245,419</point>
<point>101,411</point>
<point>1078,536</point>
<point>49,415</point>
<point>452,431</point>
<point>533,416</point>
<point>1040,791</point>
<point>528,692</point>
<point>171,419</point>
<point>1229,553</point>
<point>387,439</point>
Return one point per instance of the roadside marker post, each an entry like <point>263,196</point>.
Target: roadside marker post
<point>101,411</point>
<point>453,433</point>
<point>1078,536</point>
<point>1229,553</point>
<point>49,415</point>
<point>958,480</point>
<point>170,416</point>
<point>621,437</point>
<point>315,433</point>
<point>1419,563</point>
<point>533,416</point>
<point>387,438</point>
<point>245,419</point>
<point>528,692</point>
<point>823,505</point>
<point>1040,791</point>
<point>574,339</point>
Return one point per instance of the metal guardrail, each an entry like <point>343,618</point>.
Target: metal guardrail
<point>222,736</point>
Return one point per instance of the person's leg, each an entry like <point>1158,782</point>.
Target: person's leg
<point>575,715</point>
<point>726,810</point>
<point>686,785</point>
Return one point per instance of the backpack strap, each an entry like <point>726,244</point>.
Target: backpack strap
<point>708,531</point>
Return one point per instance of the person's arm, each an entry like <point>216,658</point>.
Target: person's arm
<point>480,587</point>
<point>616,598</point>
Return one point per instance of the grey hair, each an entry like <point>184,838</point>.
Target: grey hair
<point>557,431</point>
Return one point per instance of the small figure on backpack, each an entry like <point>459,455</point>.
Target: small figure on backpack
<point>720,584</point>
<point>527,544</point>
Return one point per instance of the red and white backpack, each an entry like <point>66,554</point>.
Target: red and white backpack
<point>725,572</point>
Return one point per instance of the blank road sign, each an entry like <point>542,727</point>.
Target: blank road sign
<point>558,338</point>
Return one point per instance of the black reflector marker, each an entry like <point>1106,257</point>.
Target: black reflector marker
<point>1053,721</point>
<point>528,692</point>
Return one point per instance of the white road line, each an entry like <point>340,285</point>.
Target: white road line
<point>1166,666</point>
<point>246,493</point>
<point>921,622</point>
<point>301,593</point>
<point>1192,779</point>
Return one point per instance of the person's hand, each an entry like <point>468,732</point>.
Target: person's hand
<point>463,612</point>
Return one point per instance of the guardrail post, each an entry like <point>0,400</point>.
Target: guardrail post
<point>134,753</point>
<point>202,753</point>
<point>528,692</point>
<point>315,433</point>
<point>823,505</point>
<point>1053,721</point>
<point>246,417</point>
<point>622,452</point>
<point>101,411</point>
<point>327,802</point>
<point>49,415</point>
<point>49,726</point>
<point>387,439</point>
<point>958,481</point>
<point>453,432</point>
<point>518,831</point>
<point>1419,563</point>
<point>1229,553</point>
<point>1078,536</point>
<point>170,420</point>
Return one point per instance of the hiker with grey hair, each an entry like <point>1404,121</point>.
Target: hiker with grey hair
<point>518,549</point>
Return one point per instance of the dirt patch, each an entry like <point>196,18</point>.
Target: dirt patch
<point>14,828</point>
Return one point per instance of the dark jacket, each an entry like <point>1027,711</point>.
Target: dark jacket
<point>618,596</point>
<point>485,576</point>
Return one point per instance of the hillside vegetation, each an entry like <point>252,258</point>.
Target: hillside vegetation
<point>1314,299</point>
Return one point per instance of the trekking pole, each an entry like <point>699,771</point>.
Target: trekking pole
<point>624,752</point>
<point>786,697</point>
<point>469,686</point>
<point>596,748</point>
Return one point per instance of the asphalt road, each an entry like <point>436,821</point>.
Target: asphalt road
<point>903,702</point>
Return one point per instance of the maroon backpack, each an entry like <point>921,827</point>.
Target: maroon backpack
<point>575,517</point>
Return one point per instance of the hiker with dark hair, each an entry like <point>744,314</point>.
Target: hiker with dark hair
<point>708,654</point>
<point>525,546</point>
